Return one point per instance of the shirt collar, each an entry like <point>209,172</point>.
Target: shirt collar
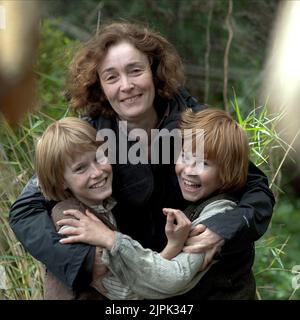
<point>106,206</point>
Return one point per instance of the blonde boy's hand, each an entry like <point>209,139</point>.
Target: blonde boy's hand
<point>177,230</point>
<point>86,228</point>
<point>177,226</point>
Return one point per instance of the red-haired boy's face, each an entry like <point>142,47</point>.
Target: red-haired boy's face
<point>197,182</point>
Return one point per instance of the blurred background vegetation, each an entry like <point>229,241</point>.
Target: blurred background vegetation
<point>223,45</point>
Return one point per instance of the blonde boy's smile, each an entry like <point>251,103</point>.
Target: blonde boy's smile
<point>99,184</point>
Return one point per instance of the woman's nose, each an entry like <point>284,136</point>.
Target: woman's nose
<point>126,83</point>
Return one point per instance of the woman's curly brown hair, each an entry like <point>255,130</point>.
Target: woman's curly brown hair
<point>84,88</point>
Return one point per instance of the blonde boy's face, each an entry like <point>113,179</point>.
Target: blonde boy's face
<point>197,182</point>
<point>88,180</point>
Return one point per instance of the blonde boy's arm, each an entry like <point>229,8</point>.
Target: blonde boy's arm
<point>151,276</point>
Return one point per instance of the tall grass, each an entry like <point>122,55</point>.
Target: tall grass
<point>269,151</point>
<point>21,274</point>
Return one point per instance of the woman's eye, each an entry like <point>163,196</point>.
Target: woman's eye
<point>110,78</point>
<point>136,71</point>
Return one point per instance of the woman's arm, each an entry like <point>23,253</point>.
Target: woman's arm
<point>32,225</point>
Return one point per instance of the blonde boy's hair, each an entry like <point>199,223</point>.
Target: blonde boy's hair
<point>224,142</point>
<point>60,142</point>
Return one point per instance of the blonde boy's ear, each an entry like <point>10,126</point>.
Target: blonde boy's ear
<point>65,187</point>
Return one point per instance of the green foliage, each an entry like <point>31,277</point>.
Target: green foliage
<point>55,53</point>
<point>22,275</point>
<point>276,251</point>
<point>260,126</point>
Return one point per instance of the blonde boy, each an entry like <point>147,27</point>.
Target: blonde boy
<point>67,171</point>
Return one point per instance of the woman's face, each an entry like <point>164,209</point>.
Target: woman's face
<point>127,81</point>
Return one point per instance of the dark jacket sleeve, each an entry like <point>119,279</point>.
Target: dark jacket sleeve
<point>32,225</point>
<point>250,220</point>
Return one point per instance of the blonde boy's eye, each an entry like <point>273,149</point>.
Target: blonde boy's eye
<point>79,169</point>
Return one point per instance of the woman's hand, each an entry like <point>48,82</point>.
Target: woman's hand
<point>203,240</point>
<point>100,271</point>
<point>177,230</point>
<point>86,228</point>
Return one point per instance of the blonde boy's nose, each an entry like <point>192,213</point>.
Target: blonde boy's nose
<point>96,170</point>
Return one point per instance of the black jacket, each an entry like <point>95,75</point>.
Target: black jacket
<point>141,191</point>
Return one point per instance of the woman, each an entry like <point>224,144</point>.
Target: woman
<point>129,73</point>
